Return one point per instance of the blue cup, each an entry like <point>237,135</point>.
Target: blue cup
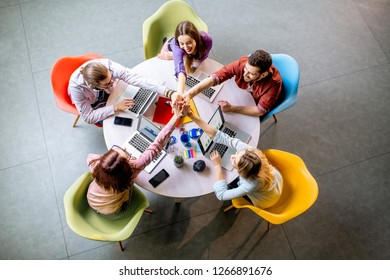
<point>185,139</point>
<point>195,133</point>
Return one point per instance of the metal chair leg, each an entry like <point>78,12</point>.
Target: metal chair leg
<point>268,223</point>
<point>275,118</point>
<point>120,246</point>
<point>75,122</point>
<point>228,208</point>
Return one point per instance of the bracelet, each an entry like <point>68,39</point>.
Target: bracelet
<point>168,93</point>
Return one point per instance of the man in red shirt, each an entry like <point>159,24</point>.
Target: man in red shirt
<point>254,73</point>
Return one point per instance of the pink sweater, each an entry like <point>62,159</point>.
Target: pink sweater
<point>109,202</point>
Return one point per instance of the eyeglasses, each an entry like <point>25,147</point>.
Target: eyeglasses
<point>124,150</point>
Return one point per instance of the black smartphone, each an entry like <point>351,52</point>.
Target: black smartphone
<point>159,178</point>
<point>123,121</point>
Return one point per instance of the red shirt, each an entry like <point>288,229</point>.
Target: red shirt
<point>264,92</point>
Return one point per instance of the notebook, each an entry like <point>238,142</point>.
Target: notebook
<point>207,145</point>
<point>140,140</point>
<point>143,98</point>
<point>208,94</point>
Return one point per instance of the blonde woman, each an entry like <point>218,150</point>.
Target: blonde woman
<point>258,180</point>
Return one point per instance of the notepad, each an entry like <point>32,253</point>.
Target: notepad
<point>163,112</point>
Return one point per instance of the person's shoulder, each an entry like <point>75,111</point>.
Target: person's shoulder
<point>243,59</point>
<point>275,73</point>
<point>204,34</point>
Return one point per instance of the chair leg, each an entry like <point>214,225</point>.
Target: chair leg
<point>148,211</point>
<point>275,118</point>
<point>75,121</point>
<point>228,208</point>
<point>268,226</point>
<point>120,246</point>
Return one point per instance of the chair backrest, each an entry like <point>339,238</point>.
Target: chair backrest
<point>300,189</point>
<point>85,222</point>
<point>61,71</point>
<point>163,24</point>
<point>289,70</point>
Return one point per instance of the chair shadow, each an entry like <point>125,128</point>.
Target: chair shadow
<point>197,246</point>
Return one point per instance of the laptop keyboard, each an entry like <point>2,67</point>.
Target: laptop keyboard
<point>140,99</point>
<point>221,148</point>
<point>191,81</point>
<point>229,132</point>
<point>141,144</point>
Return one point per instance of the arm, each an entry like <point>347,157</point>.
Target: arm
<point>181,83</point>
<point>155,148</point>
<point>90,158</point>
<point>83,105</point>
<point>216,160</point>
<point>245,110</point>
<point>211,131</point>
<point>131,77</point>
<point>223,193</point>
<point>204,84</point>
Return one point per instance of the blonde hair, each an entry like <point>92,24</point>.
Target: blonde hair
<point>94,72</point>
<point>253,164</point>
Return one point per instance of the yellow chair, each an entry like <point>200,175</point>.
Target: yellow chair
<point>85,222</point>
<point>163,22</point>
<point>300,189</point>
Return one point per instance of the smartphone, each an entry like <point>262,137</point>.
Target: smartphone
<point>123,121</point>
<point>159,178</point>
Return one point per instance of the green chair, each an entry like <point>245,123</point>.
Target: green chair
<point>163,22</point>
<point>85,222</point>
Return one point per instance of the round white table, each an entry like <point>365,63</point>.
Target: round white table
<point>183,182</point>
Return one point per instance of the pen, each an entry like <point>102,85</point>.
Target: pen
<point>167,145</point>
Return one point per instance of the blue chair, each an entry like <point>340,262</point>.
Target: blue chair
<point>289,69</point>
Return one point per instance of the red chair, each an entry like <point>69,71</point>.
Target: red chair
<point>62,69</point>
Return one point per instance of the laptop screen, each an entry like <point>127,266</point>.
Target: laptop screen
<point>216,122</point>
<point>147,128</point>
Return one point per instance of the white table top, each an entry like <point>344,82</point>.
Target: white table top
<point>184,182</point>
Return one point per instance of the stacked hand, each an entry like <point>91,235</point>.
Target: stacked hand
<point>181,103</point>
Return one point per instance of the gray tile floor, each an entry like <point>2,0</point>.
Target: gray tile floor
<point>339,126</point>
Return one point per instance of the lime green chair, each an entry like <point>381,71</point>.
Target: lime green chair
<point>85,222</point>
<point>300,189</point>
<point>163,22</point>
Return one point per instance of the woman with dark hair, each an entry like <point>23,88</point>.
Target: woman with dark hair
<point>115,171</point>
<point>258,180</point>
<point>188,49</point>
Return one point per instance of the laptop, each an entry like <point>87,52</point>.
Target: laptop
<point>140,140</point>
<point>143,98</point>
<point>207,145</point>
<point>208,94</point>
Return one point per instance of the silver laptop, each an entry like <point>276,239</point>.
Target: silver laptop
<point>143,98</point>
<point>208,94</point>
<point>140,140</point>
<point>207,145</point>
